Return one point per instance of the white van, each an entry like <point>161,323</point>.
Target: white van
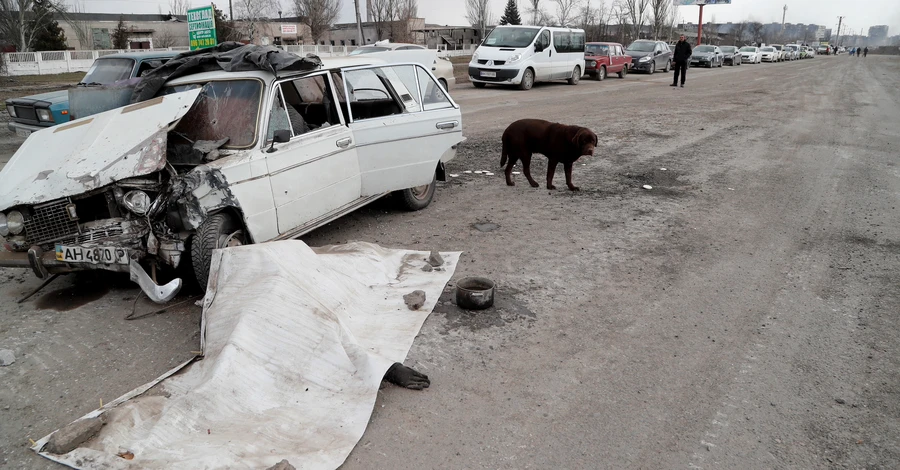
<point>522,55</point>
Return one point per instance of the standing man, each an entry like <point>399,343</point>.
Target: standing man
<point>682,56</point>
<point>866,51</point>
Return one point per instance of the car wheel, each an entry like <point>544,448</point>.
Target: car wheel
<point>527,80</point>
<point>417,198</point>
<point>601,74</point>
<point>443,83</point>
<point>624,71</point>
<point>218,231</point>
<point>478,84</point>
<point>652,67</point>
<point>668,66</point>
<point>576,76</point>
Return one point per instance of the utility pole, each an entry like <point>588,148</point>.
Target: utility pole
<point>700,26</point>
<point>783,16</point>
<point>230,12</point>
<point>359,31</point>
<point>840,20</point>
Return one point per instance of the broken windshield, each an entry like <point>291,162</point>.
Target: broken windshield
<point>106,71</point>
<point>225,109</point>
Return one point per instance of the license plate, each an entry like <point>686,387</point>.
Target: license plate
<point>23,132</point>
<point>91,255</point>
<point>489,74</point>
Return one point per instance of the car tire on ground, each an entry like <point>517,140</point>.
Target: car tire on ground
<point>624,72</point>
<point>478,84</point>
<point>217,231</point>
<point>576,76</point>
<point>416,198</point>
<point>652,67</point>
<point>668,66</point>
<point>527,80</point>
<point>443,83</point>
<point>601,74</point>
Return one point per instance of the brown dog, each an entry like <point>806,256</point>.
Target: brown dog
<point>558,142</point>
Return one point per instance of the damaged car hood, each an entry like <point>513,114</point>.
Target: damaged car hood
<point>92,152</point>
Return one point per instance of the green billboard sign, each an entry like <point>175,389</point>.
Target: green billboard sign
<point>202,27</point>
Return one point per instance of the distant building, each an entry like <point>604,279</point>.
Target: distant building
<point>94,30</point>
<point>448,37</point>
<point>878,35</point>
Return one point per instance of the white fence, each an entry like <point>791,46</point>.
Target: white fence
<point>53,62</point>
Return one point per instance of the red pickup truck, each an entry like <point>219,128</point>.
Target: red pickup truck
<point>604,58</point>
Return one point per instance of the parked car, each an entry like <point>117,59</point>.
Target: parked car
<point>782,52</point>
<point>215,159</point>
<point>731,55</point>
<point>768,54</point>
<point>707,56</point>
<point>604,58</point>
<point>649,56</point>
<point>810,52</point>
<point>794,50</point>
<point>36,112</point>
<point>523,55</point>
<point>824,49</point>
<point>441,67</point>
<point>750,54</point>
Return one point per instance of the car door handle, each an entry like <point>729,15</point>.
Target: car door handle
<point>344,143</point>
<point>447,125</point>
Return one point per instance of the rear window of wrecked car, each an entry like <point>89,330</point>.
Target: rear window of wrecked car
<point>226,108</point>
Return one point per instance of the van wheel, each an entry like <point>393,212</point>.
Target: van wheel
<point>527,80</point>
<point>601,74</point>
<point>478,84</point>
<point>219,231</point>
<point>623,72</point>
<point>576,76</point>
<point>416,198</point>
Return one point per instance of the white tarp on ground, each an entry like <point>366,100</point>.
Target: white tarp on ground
<point>296,341</point>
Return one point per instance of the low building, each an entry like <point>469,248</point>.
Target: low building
<point>448,37</point>
<point>85,31</point>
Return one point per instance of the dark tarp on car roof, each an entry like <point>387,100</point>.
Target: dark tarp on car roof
<point>228,57</point>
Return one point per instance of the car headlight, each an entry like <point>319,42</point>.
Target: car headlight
<point>44,115</point>
<point>4,228</point>
<point>644,59</point>
<point>591,63</point>
<point>137,202</point>
<point>474,57</point>
<point>515,58</point>
<point>15,222</point>
<point>11,110</point>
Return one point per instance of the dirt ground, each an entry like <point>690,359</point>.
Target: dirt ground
<point>742,313</point>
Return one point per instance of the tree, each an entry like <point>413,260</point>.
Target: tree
<point>48,35</point>
<point>81,27</point>
<point>756,29</point>
<point>252,15</point>
<point>119,36</point>
<point>511,14</point>
<point>478,12</point>
<point>739,30</point>
<point>165,39</point>
<point>18,19</point>
<point>319,15</point>
<point>662,13</point>
<point>539,17</point>
<point>406,10</point>
<point>179,8</point>
<point>566,11</point>
<point>711,31</point>
<point>225,29</point>
<point>634,12</point>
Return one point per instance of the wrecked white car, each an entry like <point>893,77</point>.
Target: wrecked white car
<point>218,158</point>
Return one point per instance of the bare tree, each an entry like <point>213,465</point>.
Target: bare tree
<point>406,10</point>
<point>19,24</point>
<point>165,39</point>
<point>756,29</point>
<point>566,11</point>
<point>538,15</point>
<point>179,8</point>
<point>319,15</point>
<point>478,12</point>
<point>252,15</point>
<point>662,14</point>
<point>711,31</point>
<point>739,30</point>
<point>81,28</point>
<point>634,13</point>
<point>381,13</point>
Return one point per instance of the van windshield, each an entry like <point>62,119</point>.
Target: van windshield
<point>511,37</point>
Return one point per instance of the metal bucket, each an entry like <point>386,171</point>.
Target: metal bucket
<point>474,293</point>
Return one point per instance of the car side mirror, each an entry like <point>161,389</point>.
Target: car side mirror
<point>538,48</point>
<point>281,136</point>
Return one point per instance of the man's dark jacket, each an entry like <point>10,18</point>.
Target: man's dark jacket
<point>682,51</point>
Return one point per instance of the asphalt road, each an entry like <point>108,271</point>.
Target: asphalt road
<point>740,314</point>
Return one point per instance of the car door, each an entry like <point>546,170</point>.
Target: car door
<point>616,60</point>
<point>543,61</point>
<point>316,173</point>
<point>403,122</point>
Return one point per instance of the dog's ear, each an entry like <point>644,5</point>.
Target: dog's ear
<point>579,136</point>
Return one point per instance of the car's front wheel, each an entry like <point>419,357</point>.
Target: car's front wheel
<point>652,67</point>
<point>417,198</point>
<point>443,83</point>
<point>601,74</point>
<point>218,231</point>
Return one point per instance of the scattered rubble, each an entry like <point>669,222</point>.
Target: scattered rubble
<point>435,259</point>
<point>283,465</point>
<point>427,268</point>
<point>70,437</point>
<point>415,299</point>
<point>7,357</point>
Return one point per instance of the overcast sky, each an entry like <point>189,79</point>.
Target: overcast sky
<point>858,14</point>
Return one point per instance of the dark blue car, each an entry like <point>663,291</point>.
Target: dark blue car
<point>36,112</point>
